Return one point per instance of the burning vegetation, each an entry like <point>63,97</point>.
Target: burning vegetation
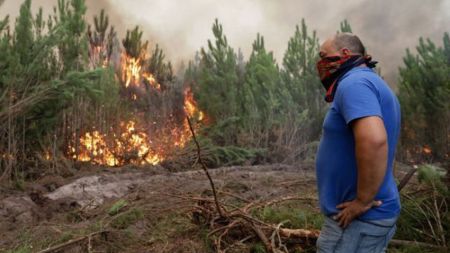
<point>141,136</point>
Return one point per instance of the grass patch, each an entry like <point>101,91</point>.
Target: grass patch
<point>117,207</point>
<point>127,218</point>
<point>424,214</point>
<point>294,214</point>
<point>257,248</point>
<point>22,249</point>
<point>170,226</point>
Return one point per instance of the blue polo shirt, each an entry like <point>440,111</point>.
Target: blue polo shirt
<point>361,93</point>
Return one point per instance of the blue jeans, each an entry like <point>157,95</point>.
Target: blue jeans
<point>358,237</point>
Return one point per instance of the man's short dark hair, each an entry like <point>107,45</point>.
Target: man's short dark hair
<point>349,41</point>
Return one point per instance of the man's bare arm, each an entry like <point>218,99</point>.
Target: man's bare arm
<point>371,149</point>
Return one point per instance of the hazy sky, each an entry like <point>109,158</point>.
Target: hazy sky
<point>181,27</point>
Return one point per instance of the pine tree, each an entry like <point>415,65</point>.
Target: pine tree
<point>23,36</point>
<point>4,23</point>
<point>69,16</point>
<point>39,24</point>
<point>218,82</point>
<point>34,85</point>
<point>101,41</point>
<point>5,48</point>
<point>425,95</point>
<point>133,44</point>
<point>299,74</point>
<point>264,97</point>
<point>161,70</point>
<point>345,27</point>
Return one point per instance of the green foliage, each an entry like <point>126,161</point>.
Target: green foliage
<point>161,70</point>
<point>218,78</point>
<point>101,23</point>
<point>23,35</point>
<point>424,95</point>
<point>117,207</point>
<point>433,177</point>
<point>101,40</point>
<point>127,218</point>
<point>43,72</point>
<point>300,75</point>
<point>255,104</point>
<point>231,155</point>
<point>345,27</point>
<point>4,23</point>
<point>294,216</point>
<point>214,77</point>
<point>258,248</point>
<point>224,155</point>
<point>73,42</point>
<point>265,98</point>
<point>133,44</point>
<point>22,249</point>
<point>425,211</point>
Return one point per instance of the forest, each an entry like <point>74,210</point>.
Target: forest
<point>106,147</point>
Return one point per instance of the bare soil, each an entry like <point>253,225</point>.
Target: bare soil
<point>141,209</point>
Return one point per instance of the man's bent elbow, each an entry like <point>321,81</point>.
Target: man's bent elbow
<point>378,143</point>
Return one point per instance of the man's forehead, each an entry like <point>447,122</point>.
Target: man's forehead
<point>328,47</point>
<point>327,44</point>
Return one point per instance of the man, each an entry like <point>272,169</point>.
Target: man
<point>357,191</point>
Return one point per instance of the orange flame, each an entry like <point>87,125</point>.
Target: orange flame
<point>131,146</point>
<point>131,70</point>
<point>190,106</point>
<point>47,155</point>
<point>427,150</point>
<point>132,143</point>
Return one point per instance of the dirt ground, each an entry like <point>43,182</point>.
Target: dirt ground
<point>137,209</point>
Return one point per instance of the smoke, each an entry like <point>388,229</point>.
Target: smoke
<point>182,27</point>
<point>386,27</point>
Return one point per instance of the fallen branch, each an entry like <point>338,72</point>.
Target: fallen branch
<point>415,243</point>
<point>299,233</point>
<point>73,241</point>
<point>262,237</point>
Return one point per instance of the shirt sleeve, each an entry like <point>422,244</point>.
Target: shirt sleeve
<point>358,100</point>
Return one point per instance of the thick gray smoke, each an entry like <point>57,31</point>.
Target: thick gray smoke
<point>181,27</point>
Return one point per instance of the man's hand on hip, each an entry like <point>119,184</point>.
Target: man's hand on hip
<point>353,209</point>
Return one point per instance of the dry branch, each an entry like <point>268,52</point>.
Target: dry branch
<point>406,179</point>
<point>73,241</point>
<point>238,225</point>
<point>204,167</point>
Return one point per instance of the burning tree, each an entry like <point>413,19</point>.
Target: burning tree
<point>62,94</point>
<point>101,43</point>
<point>150,122</point>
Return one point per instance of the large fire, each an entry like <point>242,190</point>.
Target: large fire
<point>131,146</point>
<point>133,141</point>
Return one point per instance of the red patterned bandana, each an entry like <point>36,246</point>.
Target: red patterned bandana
<point>332,68</point>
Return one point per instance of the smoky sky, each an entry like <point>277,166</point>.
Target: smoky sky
<point>182,27</point>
